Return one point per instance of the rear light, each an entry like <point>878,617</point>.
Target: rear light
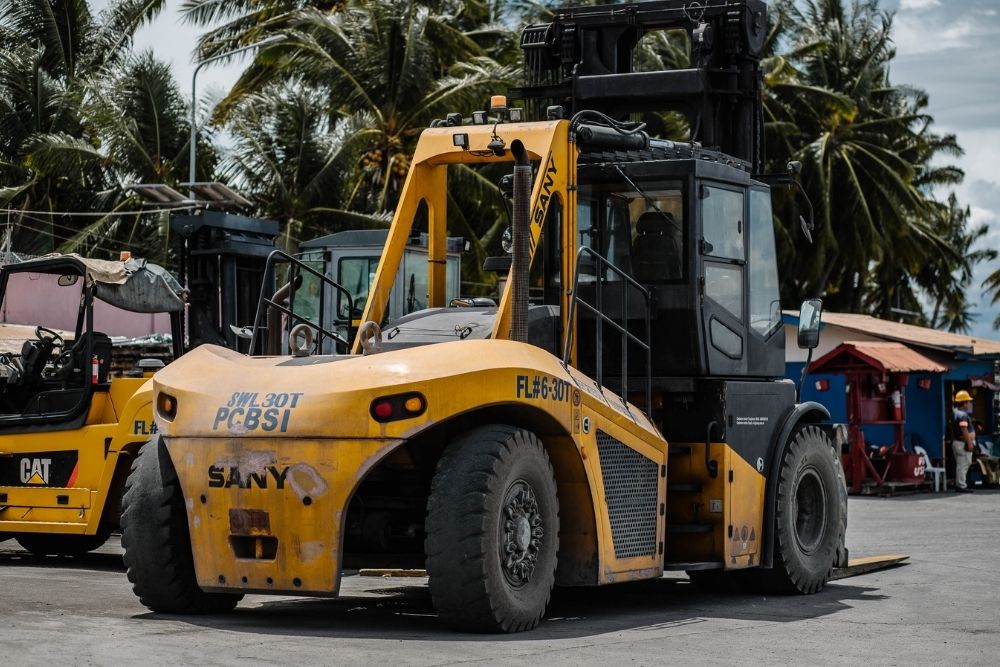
<point>166,406</point>
<point>398,406</point>
<point>382,410</point>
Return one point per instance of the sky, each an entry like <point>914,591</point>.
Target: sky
<point>950,48</point>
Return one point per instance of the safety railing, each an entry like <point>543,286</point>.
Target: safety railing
<point>602,266</point>
<point>266,302</point>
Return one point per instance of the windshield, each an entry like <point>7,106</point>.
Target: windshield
<point>641,233</point>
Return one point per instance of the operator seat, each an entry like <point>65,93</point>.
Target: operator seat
<point>656,251</point>
<point>34,355</point>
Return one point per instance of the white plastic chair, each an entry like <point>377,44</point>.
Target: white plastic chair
<point>940,481</point>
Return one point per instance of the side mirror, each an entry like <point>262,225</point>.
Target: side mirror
<point>68,280</point>
<point>810,315</point>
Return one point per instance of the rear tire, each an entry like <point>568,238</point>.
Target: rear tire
<point>48,544</point>
<point>492,531</point>
<point>157,544</point>
<point>810,514</point>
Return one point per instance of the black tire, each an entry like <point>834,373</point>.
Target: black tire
<point>493,490</point>
<point>48,544</point>
<point>810,514</point>
<point>156,540</point>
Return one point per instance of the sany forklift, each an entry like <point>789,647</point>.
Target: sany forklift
<point>68,429</point>
<point>622,412</point>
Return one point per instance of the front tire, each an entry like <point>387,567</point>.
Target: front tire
<point>157,544</point>
<point>810,513</point>
<point>492,531</point>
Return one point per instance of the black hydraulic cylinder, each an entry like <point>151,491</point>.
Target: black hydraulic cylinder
<point>602,137</point>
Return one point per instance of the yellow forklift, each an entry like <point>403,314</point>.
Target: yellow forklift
<point>68,429</point>
<point>621,413</point>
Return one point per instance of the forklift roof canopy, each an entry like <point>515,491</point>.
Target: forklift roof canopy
<point>134,285</point>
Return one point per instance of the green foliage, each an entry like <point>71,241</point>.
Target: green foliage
<point>870,166</point>
<point>80,117</point>
<point>324,121</point>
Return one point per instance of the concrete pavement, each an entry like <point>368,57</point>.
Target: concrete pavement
<point>942,608</point>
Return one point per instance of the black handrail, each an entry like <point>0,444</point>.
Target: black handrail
<point>265,302</point>
<point>597,309</point>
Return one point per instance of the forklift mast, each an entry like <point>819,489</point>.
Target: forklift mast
<point>584,60</point>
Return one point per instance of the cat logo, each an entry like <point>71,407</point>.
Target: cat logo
<point>35,471</point>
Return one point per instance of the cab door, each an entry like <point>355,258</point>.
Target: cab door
<point>722,269</point>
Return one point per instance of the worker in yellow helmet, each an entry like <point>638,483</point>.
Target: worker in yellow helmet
<point>963,439</point>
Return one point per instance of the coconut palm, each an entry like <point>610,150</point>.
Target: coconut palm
<point>51,55</point>
<point>377,60</point>
<point>866,147</point>
<point>296,160</point>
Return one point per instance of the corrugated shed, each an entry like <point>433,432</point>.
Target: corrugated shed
<point>914,335</point>
<point>883,356</point>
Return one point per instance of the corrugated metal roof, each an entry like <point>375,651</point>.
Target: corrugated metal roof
<point>911,334</point>
<point>884,356</point>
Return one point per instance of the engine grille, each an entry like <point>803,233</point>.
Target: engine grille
<point>630,481</point>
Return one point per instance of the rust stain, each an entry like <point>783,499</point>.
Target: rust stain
<point>249,522</point>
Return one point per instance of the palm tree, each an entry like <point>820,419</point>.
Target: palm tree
<point>51,53</point>
<point>866,147</point>
<point>398,62</point>
<point>296,160</point>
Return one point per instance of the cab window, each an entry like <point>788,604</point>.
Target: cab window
<point>642,233</point>
<point>722,226</point>
<point>356,275</point>
<point>765,304</point>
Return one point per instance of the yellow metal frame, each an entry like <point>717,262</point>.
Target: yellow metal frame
<point>118,421</point>
<point>546,143</point>
<point>254,438</point>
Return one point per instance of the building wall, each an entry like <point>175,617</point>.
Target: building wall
<point>926,418</point>
<point>830,338</point>
<point>925,423</point>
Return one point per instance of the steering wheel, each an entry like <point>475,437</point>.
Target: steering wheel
<point>62,367</point>
<point>52,338</point>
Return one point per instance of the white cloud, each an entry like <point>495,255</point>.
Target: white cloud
<point>915,34</point>
<point>918,5</point>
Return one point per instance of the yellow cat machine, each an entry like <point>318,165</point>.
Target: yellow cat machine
<point>68,430</point>
<point>622,412</point>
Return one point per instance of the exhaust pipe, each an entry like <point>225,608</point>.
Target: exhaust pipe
<point>520,231</point>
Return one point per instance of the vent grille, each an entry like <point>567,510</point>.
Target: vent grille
<point>630,481</point>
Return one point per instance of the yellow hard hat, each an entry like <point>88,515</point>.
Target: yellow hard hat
<point>963,397</point>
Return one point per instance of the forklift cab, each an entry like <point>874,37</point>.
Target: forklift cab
<point>50,371</point>
<point>698,235</point>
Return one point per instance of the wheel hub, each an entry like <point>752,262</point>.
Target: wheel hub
<point>521,534</point>
<point>810,511</point>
